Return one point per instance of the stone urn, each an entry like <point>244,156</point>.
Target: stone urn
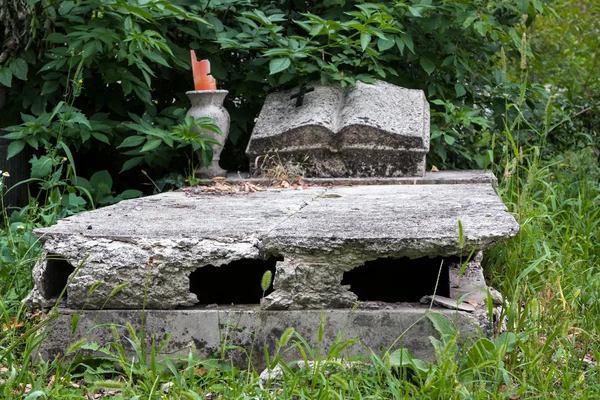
<point>209,103</point>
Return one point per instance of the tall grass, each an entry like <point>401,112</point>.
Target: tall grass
<point>549,275</point>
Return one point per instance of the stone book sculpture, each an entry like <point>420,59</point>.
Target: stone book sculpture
<point>364,131</point>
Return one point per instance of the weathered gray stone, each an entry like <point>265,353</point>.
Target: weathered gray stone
<point>378,130</point>
<point>157,242</point>
<point>153,244</point>
<point>396,221</point>
<point>470,284</point>
<point>430,178</point>
<point>447,302</point>
<point>209,330</point>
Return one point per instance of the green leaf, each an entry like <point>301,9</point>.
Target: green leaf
<point>151,145</point>
<point>41,167</point>
<point>127,165</point>
<point>441,323</point>
<point>102,182</point>
<point>402,358</point>
<point>74,323</point>
<point>79,118</point>
<point>132,141</point>
<point>366,78</point>
<point>14,148</point>
<point>56,109</point>
<point>207,155</point>
<point>65,7</point>
<point>278,64</point>
<point>157,58</point>
<point>56,37</point>
<point>19,68</point>
<point>460,90</point>
<point>415,12</point>
<point>101,137</point>
<point>130,194</point>
<point>507,339</point>
<point>427,65</point>
<point>83,183</point>
<point>385,44</point>
<point>407,39</point>
<point>480,352</point>
<point>480,27</point>
<point>449,139</point>
<point>74,201</point>
<point>70,157</point>
<point>440,150</point>
<point>365,39</point>
<point>399,43</point>
<point>35,395</point>
<point>50,87</point>
<point>5,77</point>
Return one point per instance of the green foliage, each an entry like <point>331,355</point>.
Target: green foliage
<point>151,142</point>
<point>548,275</point>
<point>123,66</point>
<point>566,44</point>
<point>135,67</point>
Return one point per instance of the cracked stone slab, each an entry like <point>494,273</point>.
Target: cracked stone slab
<point>396,221</point>
<point>148,247</point>
<point>157,241</point>
<point>230,216</point>
<point>348,226</point>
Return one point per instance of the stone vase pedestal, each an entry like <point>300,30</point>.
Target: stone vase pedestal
<point>209,103</point>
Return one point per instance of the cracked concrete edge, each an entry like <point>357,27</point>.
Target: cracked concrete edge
<point>313,282</point>
<point>165,265</point>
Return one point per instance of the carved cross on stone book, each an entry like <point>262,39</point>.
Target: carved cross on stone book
<point>300,95</point>
<point>378,130</point>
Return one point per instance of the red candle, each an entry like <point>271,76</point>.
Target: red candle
<point>201,71</point>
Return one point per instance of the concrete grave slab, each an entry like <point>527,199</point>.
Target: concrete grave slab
<point>151,246</point>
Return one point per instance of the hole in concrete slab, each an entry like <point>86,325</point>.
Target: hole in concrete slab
<point>235,283</point>
<point>56,275</point>
<point>398,279</point>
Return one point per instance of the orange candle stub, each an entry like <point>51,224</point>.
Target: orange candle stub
<point>201,72</point>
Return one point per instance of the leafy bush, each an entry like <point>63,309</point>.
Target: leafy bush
<point>135,66</point>
<point>566,43</point>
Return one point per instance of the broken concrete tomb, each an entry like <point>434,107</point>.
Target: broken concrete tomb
<point>193,259</point>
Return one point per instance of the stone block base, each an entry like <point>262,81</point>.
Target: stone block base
<point>209,329</point>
